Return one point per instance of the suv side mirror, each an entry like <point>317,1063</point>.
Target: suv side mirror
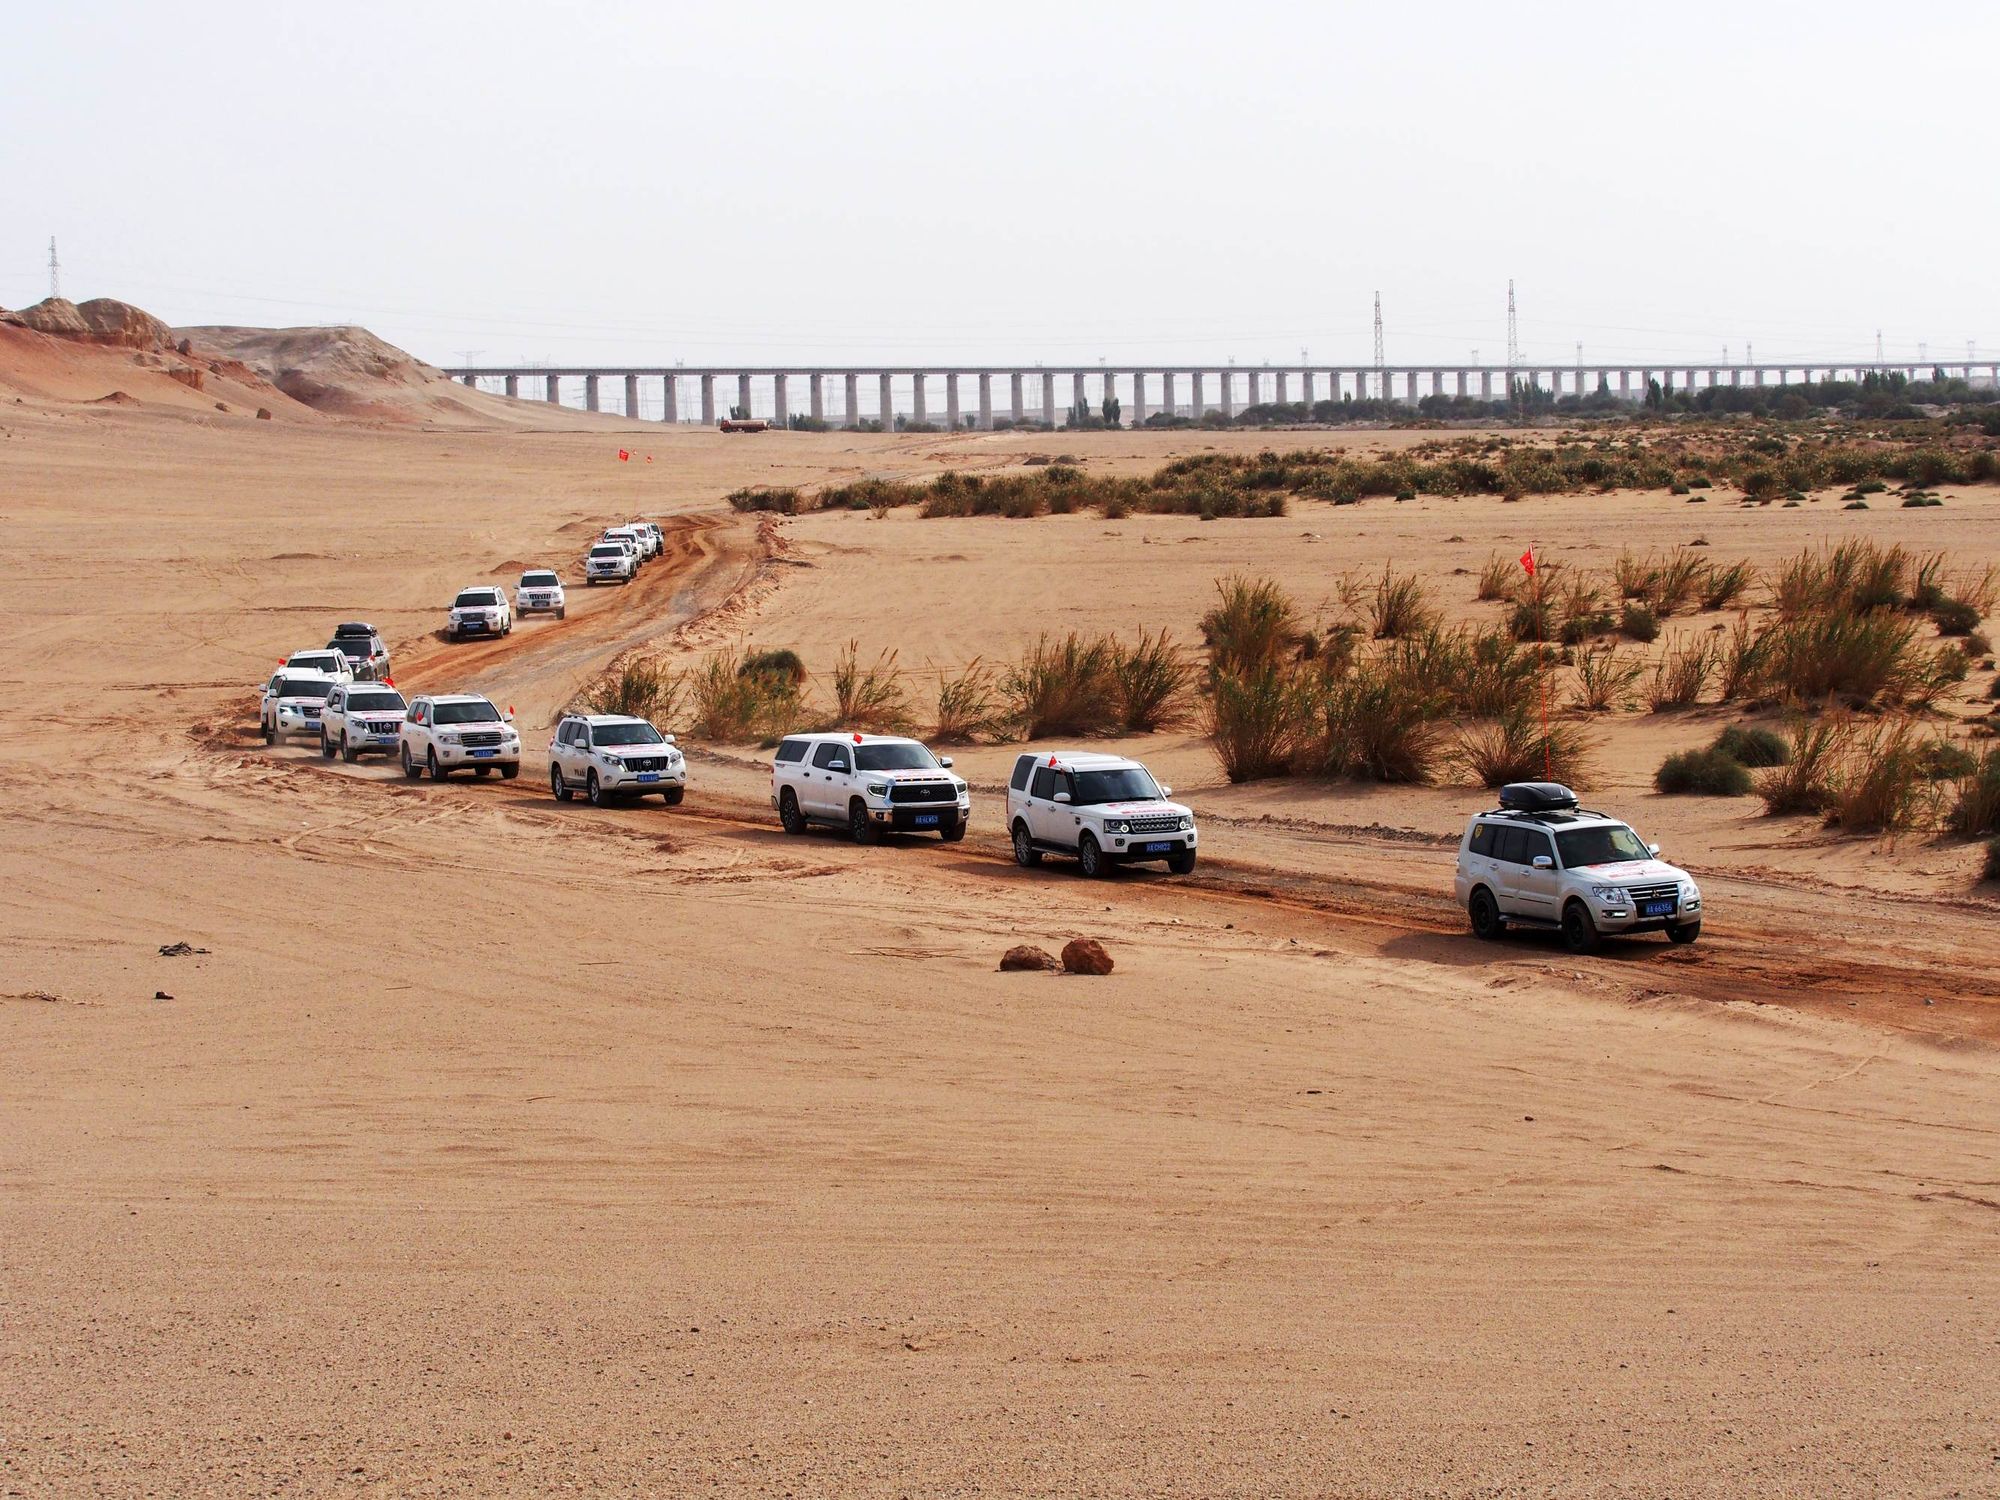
<point>837,765</point>
<point>1654,850</point>
<point>945,761</point>
<point>1166,791</point>
<point>1543,862</point>
<point>1060,797</point>
<point>669,739</point>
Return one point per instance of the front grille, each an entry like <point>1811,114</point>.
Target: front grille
<point>645,763</point>
<point>385,726</point>
<point>1654,892</point>
<point>922,791</point>
<point>481,738</point>
<point>1156,825</point>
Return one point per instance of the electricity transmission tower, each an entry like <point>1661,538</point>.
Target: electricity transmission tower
<point>1513,334</point>
<point>1380,377</point>
<point>55,270</point>
<point>1878,346</point>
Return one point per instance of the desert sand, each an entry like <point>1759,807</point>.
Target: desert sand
<point>496,1146</point>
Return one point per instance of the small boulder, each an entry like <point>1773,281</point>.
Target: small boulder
<point>1027,957</point>
<point>1085,956</point>
<point>263,413</point>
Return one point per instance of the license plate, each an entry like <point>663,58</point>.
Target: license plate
<point>1659,909</point>
<point>926,820</point>
<point>1159,848</point>
<point>482,754</point>
<point>649,775</point>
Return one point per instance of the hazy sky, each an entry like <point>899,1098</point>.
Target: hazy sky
<point>1019,182</point>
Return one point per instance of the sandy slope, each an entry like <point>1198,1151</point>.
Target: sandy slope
<point>502,1147</point>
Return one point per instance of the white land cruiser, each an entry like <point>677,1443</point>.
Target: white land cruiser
<point>869,784</point>
<point>1542,861</point>
<point>292,702</point>
<point>447,732</point>
<point>540,589</point>
<point>609,562</point>
<point>361,644</point>
<point>334,663</point>
<point>646,535</point>
<point>361,718</point>
<point>608,756</point>
<point>629,537</point>
<point>1104,809</point>
<point>481,610</point>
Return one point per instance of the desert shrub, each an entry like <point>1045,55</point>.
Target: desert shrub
<point>744,696</point>
<point>1955,617</point>
<point>1252,717</point>
<point>1065,686</point>
<point>785,502</point>
<point>1479,674</point>
<point>1885,787</point>
<point>1724,586</point>
<point>870,698</point>
<point>1373,724</point>
<point>1990,869</point>
<point>1532,619</point>
<point>1518,747</point>
<point>1402,607</point>
<point>1605,680</point>
<point>1638,623</point>
<point>639,687</point>
<point>1741,659</point>
<point>1708,773</point>
<point>1496,579</point>
<point>1805,782</point>
<point>1154,678</point>
<point>1827,654</point>
<point>1976,807</point>
<point>1254,624</point>
<point>1752,747</point>
<point>1854,576</point>
<point>1676,581</point>
<point>780,664</point>
<point>968,704</point>
<point>1944,761</point>
<point>1682,674</point>
<point>1633,575</point>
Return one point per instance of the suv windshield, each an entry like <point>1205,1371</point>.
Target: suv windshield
<point>354,646</point>
<point>538,580</point>
<point>1126,784</point>
<point>893,758</point>
<point>1599,846</point>
<point>473,598</point>
<point>363,703</point>
<point>625,734</point>
<point>481,712</point>
<point>304,687</point>
<point>607,549</point>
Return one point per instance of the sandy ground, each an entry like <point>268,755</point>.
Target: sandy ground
<point>498,1146</point>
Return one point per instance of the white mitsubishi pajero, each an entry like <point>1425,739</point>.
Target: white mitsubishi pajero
<point>1542,861</point>
<point>868,784</point>
<point>1104,809</point>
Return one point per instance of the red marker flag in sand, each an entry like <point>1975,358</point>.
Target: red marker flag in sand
<point>1528,561</point>
<point>624,456</point>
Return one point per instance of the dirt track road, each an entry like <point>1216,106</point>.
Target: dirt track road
<point>499,1146</point>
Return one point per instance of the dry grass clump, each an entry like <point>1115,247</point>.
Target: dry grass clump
<point>1755,748</point>
<point>638,687</point>
<point>1517,747</point>
<point>1724,587</point>
<point>1885,786</point>
<point>1497,579</point>
<point>968,705</point>
<point>1373,723</point>
<point>1252,721</point>
<point>1805,783</point>
<point>1605,680</point>
<point>1707,772</point>
<point>1976,807</point>
<point>1402,607</point>
<point>870,698</point>
<point>745,695</point>
<point>1154,679</point>
<point>1065,686</point>
<point>1254,624</point>
<point>1682,674</point>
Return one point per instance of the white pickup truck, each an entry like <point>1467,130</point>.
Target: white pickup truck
<point>868,784</point>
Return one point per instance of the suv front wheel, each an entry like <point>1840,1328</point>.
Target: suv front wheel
<point>858,822</point>
<point>1578,931</point>
<point>1687,932</point>
<point>1090,859</point>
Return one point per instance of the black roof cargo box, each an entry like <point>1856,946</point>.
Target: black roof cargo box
<point>1537,797</point>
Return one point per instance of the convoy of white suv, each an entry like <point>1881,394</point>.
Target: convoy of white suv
<point>1540,860</point>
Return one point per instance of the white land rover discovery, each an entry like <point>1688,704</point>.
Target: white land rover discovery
<point>447,732</point>
<point>609,756</point>
<point>1104,809</point>
<point>1540,860</point>
<point>869,784</point>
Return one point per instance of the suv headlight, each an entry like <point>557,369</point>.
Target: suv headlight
<point>1609,893</point>
<point>878,788</point>
<point>612,760</point>
<point>1690,892</point>
<point>1117,825</point>
<point>1187,823</point>
<point>449,739</point>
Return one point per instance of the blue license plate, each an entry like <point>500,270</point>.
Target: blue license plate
<point>482,754</point>
<point>649,775</point>
<point>926,820</point>
<point>1159,848</point>
<point>1659,909</point>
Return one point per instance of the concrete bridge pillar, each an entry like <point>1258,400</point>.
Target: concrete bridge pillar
<point>1306,388</point>
<point>1167,393</point>
<point>1020,409</point>
<point>1485,385</point>
<point>553,391</point>
<point>781,407</point>
<point>816,396</point>
<point>950,402</point>
<point>919,410</point>
<point>513,387</point>
<point>743,394</point>
<point>1078,401</point>
<point>1461,384</point>
<point>1194,395</point>
<point>1410,386</point>
<point>669,407</point>
<point>1283,397</point>
<point>708,400</point>
<point>471,381</point>
<point>1255,381</point>
<point>631,395</point>
<point>1437,382</point>
<point>1048,399</point>
<point>850,414</point>
<point>1228,379</point>
<point>885,407</point>
<point>1138,398</point>
<point>985,401</point>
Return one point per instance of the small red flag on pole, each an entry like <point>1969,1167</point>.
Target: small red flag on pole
<point>1528,561</point>
<point>625,457</point>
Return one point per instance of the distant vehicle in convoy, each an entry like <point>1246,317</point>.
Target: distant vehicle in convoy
<point>659,536</point>
<point>609,757</point>
<point>1541,860</point>
<point>360,643</point>
<point>869,784</point>
<point>540,591</point>
<point>334,663</point>
<point>481,610</point>
<point>609,562</point>
<point>291,703</point>
<point>647,535</point>
<point>1104,810</point>
<point>631,536</point>
<point>743,424</point>
<point>446,732</point>
<point>361,718</point>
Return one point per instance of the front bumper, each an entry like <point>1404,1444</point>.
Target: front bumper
<point>364,741</point>
<point>920,817</point>
<point>642,781</point>
<point>1627,916</point>
<point>478,755</point>
<point>1132,848</point>
<point>296,721</point>
<point>477,625</point>
<point>537,606</point>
